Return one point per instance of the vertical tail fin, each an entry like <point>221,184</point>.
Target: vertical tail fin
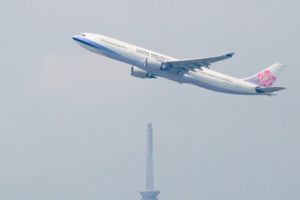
<point>266,77</point>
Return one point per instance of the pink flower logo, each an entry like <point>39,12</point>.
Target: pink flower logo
<point>266,78</point>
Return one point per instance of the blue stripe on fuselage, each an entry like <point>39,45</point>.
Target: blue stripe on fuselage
<point>94,45</point>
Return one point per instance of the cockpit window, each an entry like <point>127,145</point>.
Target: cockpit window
<point>82,34</point>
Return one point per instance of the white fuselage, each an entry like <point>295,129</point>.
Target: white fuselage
<point>150,61</point>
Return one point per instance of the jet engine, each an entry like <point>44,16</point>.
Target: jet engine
<point>152,64</point>
<point>137,72</point>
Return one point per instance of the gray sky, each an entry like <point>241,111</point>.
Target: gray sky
<point>72,124</point>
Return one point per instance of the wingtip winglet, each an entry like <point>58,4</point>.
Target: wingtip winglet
<point>230,54</point>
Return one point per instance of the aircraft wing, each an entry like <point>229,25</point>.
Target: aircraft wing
<point>185,65</point>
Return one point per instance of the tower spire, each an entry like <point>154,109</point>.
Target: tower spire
<point>149,193</point>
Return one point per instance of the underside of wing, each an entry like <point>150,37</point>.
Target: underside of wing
<point>191,64</point>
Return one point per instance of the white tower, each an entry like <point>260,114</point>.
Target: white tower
<point>149,193</point>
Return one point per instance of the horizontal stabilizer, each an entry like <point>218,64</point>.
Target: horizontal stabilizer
<point>269,89</point>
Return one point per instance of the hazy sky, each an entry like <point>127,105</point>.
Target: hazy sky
<point>72,124</point>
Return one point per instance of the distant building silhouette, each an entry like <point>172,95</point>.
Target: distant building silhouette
<point>149,193</point>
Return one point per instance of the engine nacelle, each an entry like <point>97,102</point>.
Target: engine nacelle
<point>137,72</point>
<point>152,64</point>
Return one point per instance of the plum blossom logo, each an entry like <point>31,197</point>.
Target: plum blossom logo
<point>266,78</point>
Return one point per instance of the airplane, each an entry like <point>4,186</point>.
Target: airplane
<point>147,64</point>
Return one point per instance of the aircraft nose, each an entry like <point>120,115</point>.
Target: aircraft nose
<point>79,37</point>
<point>75,37</point>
